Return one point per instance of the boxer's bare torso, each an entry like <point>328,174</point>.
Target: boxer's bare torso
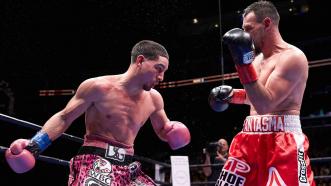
<point>116,114</point>
<point>284,75</point>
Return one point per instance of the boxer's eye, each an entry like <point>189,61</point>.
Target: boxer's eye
<point>159,68</point>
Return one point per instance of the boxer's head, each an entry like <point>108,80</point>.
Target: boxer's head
<point>151,61</point>
<point>149,49</point>
<point>262,10</point>
<point>258,19</point>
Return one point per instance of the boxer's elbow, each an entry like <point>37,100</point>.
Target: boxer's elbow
<point>265,104</point>
<point>66,117</point>
<point>57,124</point>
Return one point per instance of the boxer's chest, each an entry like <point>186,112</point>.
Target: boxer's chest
<point>266,67</point>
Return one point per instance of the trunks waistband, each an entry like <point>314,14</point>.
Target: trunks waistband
<point>114,155</point>
<point>272,123</point>
<point>104,142</point>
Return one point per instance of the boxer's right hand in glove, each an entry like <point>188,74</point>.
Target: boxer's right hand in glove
<point>241,48</point>
<point>220,97</point>
<point>19,159</point>
<point>22,153</point>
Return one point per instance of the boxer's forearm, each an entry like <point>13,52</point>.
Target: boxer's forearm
<point>262,100</point>
<point>56,125</point>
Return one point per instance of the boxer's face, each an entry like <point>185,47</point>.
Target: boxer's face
<point>255,29</point>
<point>154,71</point>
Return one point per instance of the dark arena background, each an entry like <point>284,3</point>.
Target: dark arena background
<point>56,44</point>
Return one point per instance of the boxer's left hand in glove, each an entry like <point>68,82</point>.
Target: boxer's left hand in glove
<point>220,97</point>
<point>178,136</point>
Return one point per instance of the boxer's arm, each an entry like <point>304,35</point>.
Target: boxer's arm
<point>241,48</point>
<point>22,153</point>
<point>281,82</point>
<point>220,97</point>
<point>239,97</point>
<point>174,132</point>
<point>86,94</point>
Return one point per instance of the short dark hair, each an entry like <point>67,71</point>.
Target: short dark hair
<point>149,49</point>
<point>263,9</point>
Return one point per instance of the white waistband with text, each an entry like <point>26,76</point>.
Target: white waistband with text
<point>272,123</point>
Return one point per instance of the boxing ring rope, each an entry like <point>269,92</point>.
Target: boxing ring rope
<point>52,160</point>
<point>222,77</point>
<point>186,82</point>
<point>44,158</point>
<point>33,126</point>
<point>57,161</point>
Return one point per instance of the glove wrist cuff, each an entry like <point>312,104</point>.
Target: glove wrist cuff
<point>38,143</point>
<point>239,96</point>
<point>246,73</point>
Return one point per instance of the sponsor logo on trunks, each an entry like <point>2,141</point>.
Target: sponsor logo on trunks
<point>115,153</point>
<point>100,173</point>
<point>303,168</point>
<point>264,124</point>
<point>230,173</point>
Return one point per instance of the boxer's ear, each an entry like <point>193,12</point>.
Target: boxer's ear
<point>139,60</point>
<point>267,22</point>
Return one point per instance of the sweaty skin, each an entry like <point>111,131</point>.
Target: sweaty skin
<point>271,149</point>
<point>117,106</point>
<point>282,71</point>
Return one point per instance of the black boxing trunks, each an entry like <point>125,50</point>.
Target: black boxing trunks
<point>270,150</point>
<point>111,166</point>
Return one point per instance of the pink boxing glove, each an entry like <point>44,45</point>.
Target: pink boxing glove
<point>19,159</point>
<point>22,153</point>
<point>178,136</point>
